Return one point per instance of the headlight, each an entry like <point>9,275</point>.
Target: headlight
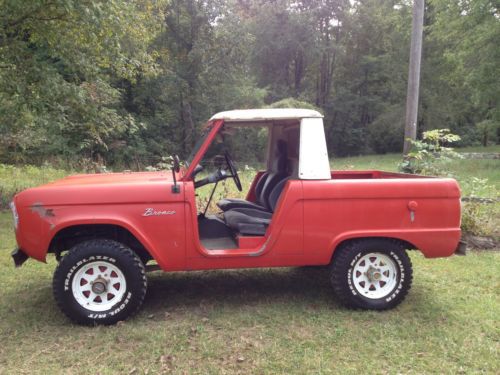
<point>15,214</point>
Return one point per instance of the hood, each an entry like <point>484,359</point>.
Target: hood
<point>106,188</point>
<point>111,178</point>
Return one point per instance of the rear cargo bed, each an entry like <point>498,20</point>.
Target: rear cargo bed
<point>363,175</point>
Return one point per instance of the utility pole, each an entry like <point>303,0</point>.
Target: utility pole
<point>414,74</point>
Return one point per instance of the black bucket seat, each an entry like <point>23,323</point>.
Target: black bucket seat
<point>264,185</point>
<point>253,222</point>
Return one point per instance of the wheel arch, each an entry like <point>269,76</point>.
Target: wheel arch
<point>346,241</point>
<point>69,236</point>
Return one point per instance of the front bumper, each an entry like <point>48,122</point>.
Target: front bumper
<point>19,257</point>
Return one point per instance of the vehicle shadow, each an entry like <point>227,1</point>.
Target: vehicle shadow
<point>202,292</point>
<point>239,287</point>
<point>302,288</point>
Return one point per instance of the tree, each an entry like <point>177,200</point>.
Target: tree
<point>468,33</point>
<point>126,82</point>
<point>57,62</point>
<point>414,75</point>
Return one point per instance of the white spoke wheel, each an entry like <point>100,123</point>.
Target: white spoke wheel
<point>371,273</point>
<point>375,275</point>
<point>97,286</point>
<point>99,282</point>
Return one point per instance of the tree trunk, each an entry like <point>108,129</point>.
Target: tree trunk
<point>414,75</point>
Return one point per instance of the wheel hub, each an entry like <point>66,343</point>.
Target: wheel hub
<point>374,274</point>
<point>99,285</point>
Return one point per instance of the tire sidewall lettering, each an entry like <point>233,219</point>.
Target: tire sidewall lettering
<point>96,315</point>
<point>401,274</point>
<point>80,257</point>
<point>114,311</point>
<point>349,273</point>
<point>80,263</point>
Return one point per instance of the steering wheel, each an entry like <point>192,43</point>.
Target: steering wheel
<point>232,169</point>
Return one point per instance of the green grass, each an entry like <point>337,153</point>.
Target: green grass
<point>463,169</point>
<point>386,162</point>
<point>258,321</point>
<point>14,179</point>
<point>491,148</point>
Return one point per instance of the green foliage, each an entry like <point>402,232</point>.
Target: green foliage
<point>59,61</point>
<point>292,103</point>
<point>386,131</point>
<point>480,218</point>
<point>490,131</point>
<point>431,155</point>
<point>15,179</point>
<point>123,82</point>
<point>469,33</point>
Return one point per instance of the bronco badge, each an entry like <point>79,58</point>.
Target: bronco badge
<point>152,212</point>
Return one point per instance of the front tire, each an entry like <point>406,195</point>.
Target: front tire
<point>99,282</point>
<point>374,274</point>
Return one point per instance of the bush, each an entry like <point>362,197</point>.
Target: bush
<point>292,103</point>
<point>346,142</point>
<point>479,218</point>
<point>430,155</point>
<point>489,131</point>
<point>385,134</point>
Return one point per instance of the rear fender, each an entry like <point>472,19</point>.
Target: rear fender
<point>432,243</point>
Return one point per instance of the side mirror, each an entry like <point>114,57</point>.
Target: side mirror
<point>176,164</point>
<point>176,167</point>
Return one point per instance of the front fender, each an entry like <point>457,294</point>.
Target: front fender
<point>125,224</point>
<point>163,236</point>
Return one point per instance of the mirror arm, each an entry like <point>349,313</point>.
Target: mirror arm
<point>176,189</point>
<point>210,199</point>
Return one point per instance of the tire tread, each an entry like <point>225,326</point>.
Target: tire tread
<point>73,256</point>
<point>341,262</point>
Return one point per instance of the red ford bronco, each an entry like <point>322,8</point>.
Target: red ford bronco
<point>107,230</point>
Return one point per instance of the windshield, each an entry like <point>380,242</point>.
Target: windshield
<point>197,146</point>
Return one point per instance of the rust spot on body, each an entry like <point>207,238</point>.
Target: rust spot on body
<point>44,213</point>
<point>41,210</point>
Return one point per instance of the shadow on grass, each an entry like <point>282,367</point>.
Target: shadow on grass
<point>289,289</point>
<point>255,287</point>
<point>298,289</point>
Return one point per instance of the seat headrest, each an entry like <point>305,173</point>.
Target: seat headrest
<point>293,167</point>
<point>282,147</point>
<point>276,193</point>
<point>280,164</point>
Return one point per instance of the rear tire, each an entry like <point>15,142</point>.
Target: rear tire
<point>374,274</point>
<point>99,282</point>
